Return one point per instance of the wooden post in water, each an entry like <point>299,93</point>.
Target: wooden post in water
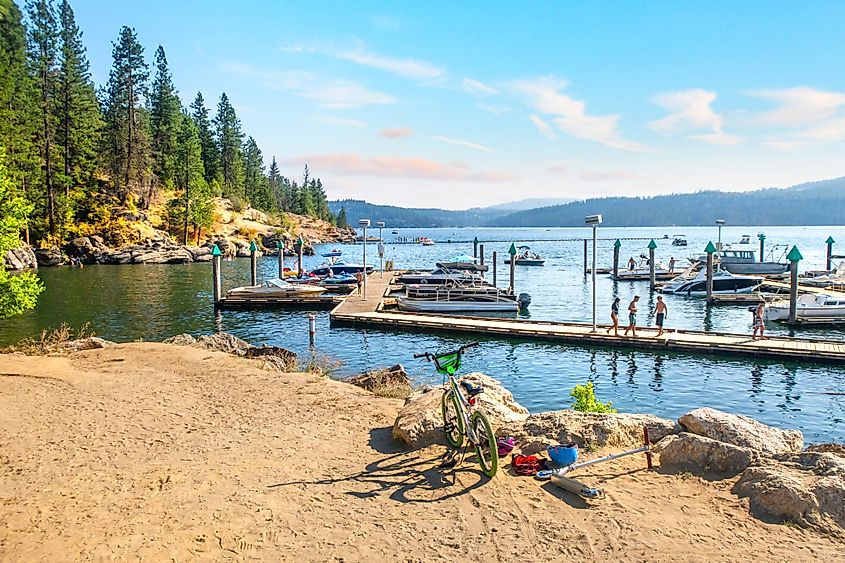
<point>829,242</point>
<point>481,257</point>
<point>651,277</point>
<point>709,284</point>
<point>253,258</point>
<point>495,261</point>
<point>216,283</point>
<point>762,237</point>
<point>794,256</point>
<point>281,248</point>
<point>616,246</point>
<point>299,244</point>
<point>512,286</point>
<point>585,257</point>
<point>475,247</point>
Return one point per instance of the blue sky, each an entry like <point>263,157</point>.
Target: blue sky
<point>454,105</point>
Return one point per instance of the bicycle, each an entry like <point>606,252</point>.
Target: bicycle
<point>460,419</point>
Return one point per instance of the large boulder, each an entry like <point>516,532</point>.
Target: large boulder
<point>618,430</point>
<point>22,258</point>
<point>387,382</point>
<point>223,342</point>
<point>702,456</point>
<point>420,421</point>
<point>89,343</point>
<point>49,256</point>
<point>742,431</point>
<point>183,339</point>
<point>91,249</point>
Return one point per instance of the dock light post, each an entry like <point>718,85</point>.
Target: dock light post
<point>364,223</point>
<point>762,237</point>
<point>594,221</point>
<point>380,247</point>
<point>794,256</point>
<point>829,242</point>
<point>720,223</point>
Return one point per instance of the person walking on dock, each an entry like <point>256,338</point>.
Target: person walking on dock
<point>672,265</point>
<point>359,279</point>
<point>660,313</point>
<point>632,264</point>
<point>759,321</point>
<point>632,316</point>
<point>614,316</point>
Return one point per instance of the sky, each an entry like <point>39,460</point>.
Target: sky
<point>465,104</point>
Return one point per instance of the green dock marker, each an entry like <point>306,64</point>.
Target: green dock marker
<point>512,250</point>
<point>216,251</point>
<point>252,247</point>
<point>761,236</point>
<point>652,245</point>
<point>618,243</point>
<point>829,240</point>
<point>279,244</point>
<point>794,255</point>
<point>710,248</point>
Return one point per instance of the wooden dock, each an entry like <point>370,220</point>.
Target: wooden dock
<point>783,287</point>
<point>316,302</point>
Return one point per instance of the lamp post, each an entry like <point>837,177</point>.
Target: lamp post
<point>595,221</point>
<point>364,223</point>
<point>381,247</point>
<point>719,223</point>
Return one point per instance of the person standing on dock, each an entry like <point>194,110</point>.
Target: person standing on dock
<point>359,279</point>
<point>672,265</point>
<point>660,313</point>
<point>632,264</point>
<point>614,316</point>
<point>759,320</point>
<point>632,316</point>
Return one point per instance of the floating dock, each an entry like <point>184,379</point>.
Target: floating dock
<point>315,302</point>
<point>354,311</point>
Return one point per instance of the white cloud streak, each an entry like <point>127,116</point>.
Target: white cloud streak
<point>359,54</point>
<point>689,110</point>
<point>335,121</point>
<point>475,87</point>
<point>544,128</point>
<point>462,143</point>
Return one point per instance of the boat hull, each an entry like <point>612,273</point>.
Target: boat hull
<point>755,268</point>
<point>459,306</point>
<point>260,291</point>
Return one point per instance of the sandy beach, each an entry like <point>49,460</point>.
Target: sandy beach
<point>158,452</point>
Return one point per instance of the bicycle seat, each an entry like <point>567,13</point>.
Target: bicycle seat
<point>471,389</point>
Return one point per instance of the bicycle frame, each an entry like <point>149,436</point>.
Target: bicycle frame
<point>463,408</point>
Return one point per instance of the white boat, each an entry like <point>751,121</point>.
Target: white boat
<point>679,240</point>
<point>459,305</point>
<point>526,258</point>
<point>425,241</point>
<point>824,278</point>
<point>446,274</point>
<point>812,307</point>
<point>724,282</point>
<point>276,288</point>
<point>642,272</point>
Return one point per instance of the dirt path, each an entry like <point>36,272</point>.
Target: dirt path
<point>153,451</point>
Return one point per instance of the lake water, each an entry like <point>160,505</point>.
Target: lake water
<point>152,302</point>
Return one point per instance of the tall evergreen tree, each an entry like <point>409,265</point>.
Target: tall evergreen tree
<point>127,137</point>
<point>43,39</point>
<point>229,138</point>
<point>256,184</point>
<point>210,151</point>
<point>165,121</point>
<point>342,221</point>
<point>275,186</point>
<point>79,118</point>
<point>190,177</point>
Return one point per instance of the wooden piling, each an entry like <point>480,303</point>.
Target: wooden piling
<point>281,260</point>
<point>651,276</point>
<point>481,257</point>
<point>585,257</point>
<point>762,238</point>
<point>299,244</point>
<point>829,242</point>
<point>616,246</point>
<point>512,288</point>
<point>794,256</point>
<point>217,284</point>
<point>710,250</point>
<point>475,247</point>
<point>253,258</point>
<point>495,262</point>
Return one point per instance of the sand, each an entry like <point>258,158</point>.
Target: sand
<point>161,452</point>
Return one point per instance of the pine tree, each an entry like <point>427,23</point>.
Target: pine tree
<point>43,39</point>
<point>79,118</point>
<point>190,176</point>
<point>126,127</point>
<point>210,151</point>
<point>229,137</point>
<point>276,187</point>
<point>342,221</point>
<point>165,121</point>
<point>256,184</point>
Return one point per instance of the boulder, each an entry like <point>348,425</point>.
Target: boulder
<point>91,250</point>
<point>776,493</point>
<point>742,431</point>
<point>183,339</point>
<point>203,258</point>
<point>224,342</point>
<point>702,456</point>
<point>420,421</point>
<point>387,382</point>
<point>21,258</point>
<point>120,257</point>
<point>275,357</point>
<point>90,343</point>
<point>49,256</point>
<point>589,429</point>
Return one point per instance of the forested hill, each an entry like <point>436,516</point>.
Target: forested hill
<point>814,203</point>
<point>404,217</point>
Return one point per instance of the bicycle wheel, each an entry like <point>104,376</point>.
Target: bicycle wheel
<point>486,448</point>
<point>453,423</point>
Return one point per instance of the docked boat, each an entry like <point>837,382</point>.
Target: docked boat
<point>810,307</point>
<point>642,272</point>
<point>679,240</point>
<point>825,278</point>
<point>525,257</point>
<point>340,267</point>
<point>334,253</point>
<point>276,288</point>
<point>743,262</point>
<point>461,300</point>
<point>724,282</point>
<point>425,241</point>
<point>446,273</point>
<point>426,290</point>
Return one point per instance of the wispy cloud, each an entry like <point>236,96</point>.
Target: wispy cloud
<point>544,128</point>
<point>462,143</point>
<point>805,117</point>
<point>359,54</point>
<point>405,167</point>
<point>396,133</point>
<point>336,121</point>
<point>475,87</point>
<point>689,110</point>
<point>494,109</point>
<point>330,93</point>
<point>570,115</point>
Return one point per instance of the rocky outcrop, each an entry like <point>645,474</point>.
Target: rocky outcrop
<point>49,256</point>
<point>742,431</point>
<point>702,456</point>
<point>275,358</point>
<point>388,382</point>
<point>22,258</point>
<point>420,421</point>
<point>89,343</point>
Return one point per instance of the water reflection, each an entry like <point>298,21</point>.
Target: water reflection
<point>657,383</point>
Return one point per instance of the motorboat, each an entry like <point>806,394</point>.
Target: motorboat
<point>340,267</point>
<point>744,240</point>
<point>744,262</point>
<point>276,288</point>
<point>825,278</point>
<point>679,240</point>
<point>724,282</point>
<point>334,253</point>
<point>525,257</point>
<point>642,272</point>
<point>456,300</point>
<point>426,290</point>
<point>812,307</point>
<point>425,241</point>
<point>446,273</point>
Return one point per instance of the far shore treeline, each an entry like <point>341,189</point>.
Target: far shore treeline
<point>814,203</point>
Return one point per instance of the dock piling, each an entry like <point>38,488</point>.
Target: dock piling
<point>585,257</point>
<point>475,247</point>
<point>794,256</point>
<point>512,286</point>
<point>762,237</point>
<point>829,242</point>
<point>217,285</point>
<point>616,246</point>
<point>312,330</point>
<point>651,277</point>
<point>281,257</point>
<point>299,244</point>
<point>710,249</point>
<point>481,257</point>
<point>253,258</point>
<point>495,262</point>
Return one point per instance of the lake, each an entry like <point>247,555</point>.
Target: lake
<point>152,302</point>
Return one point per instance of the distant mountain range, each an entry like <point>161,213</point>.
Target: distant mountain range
<point>812,203</point>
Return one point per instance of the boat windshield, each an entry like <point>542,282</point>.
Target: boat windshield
<point>276,282</point>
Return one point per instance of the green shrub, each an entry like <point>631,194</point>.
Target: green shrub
<point>585,399</point>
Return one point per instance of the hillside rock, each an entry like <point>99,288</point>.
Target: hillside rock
<point>49,256</point>
<point>275,358</point>
<point>90,343</point>
<point>742,431</point>
<point>223,342</point>
<point>702,456</point>
<point>22,258</point>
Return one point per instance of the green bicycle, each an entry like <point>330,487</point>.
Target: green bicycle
<point>460,419</point>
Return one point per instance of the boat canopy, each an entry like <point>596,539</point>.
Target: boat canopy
<point>467,266</point>
<point>464,258</point>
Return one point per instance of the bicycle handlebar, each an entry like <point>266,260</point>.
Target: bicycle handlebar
<point>429,355</point>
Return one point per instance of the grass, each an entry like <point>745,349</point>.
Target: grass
<point>320,364</point>
<point>50,340</point>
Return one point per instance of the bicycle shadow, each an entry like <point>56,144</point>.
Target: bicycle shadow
<point>406,476</point>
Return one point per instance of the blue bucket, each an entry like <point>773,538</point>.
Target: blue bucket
<point>563,455</point>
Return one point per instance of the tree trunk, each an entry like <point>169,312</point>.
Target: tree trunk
<point>129,142</point>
